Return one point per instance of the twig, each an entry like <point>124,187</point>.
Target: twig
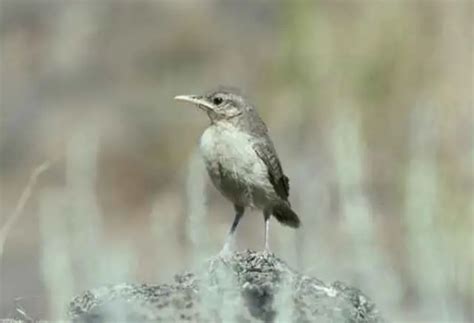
<point>25,195</point>
<point>21,311</point>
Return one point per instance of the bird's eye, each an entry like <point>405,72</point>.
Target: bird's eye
<point>217,100</point>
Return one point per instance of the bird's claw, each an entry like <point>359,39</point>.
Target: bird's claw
<point>266,252</point>
<point>226,251</point>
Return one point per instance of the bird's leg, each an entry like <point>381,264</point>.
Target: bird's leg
<point>239,212</point>
<point>266,216</point>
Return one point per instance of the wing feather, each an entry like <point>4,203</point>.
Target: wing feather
<point>268,155</point>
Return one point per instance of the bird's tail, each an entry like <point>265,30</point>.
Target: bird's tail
<point>285,215</point>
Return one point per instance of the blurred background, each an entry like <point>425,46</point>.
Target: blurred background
<point>369,104</point>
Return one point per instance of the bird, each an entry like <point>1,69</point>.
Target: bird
<point>241,159</point>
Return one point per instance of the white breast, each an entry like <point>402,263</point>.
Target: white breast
<point>233,150</point>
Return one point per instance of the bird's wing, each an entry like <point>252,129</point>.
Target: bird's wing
<point>267,154</point>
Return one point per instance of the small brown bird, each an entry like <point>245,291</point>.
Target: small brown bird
<point>241,159</point>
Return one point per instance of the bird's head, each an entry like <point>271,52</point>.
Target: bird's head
<point>223,104</point>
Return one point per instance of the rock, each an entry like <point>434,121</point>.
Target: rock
<point>243,287</point>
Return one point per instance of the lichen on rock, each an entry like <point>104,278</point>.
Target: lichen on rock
<point>246,286</point>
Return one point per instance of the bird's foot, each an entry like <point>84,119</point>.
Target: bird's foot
<point>228,248</point>
<point>226,251</point>
<point>222,258</point>
<point>266,252</point>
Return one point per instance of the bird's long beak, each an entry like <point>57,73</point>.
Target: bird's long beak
<point>200,101</point>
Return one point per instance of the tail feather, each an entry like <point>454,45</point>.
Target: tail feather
<point>285,215</point>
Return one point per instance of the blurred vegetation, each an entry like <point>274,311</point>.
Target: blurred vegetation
<point>369,104</point>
